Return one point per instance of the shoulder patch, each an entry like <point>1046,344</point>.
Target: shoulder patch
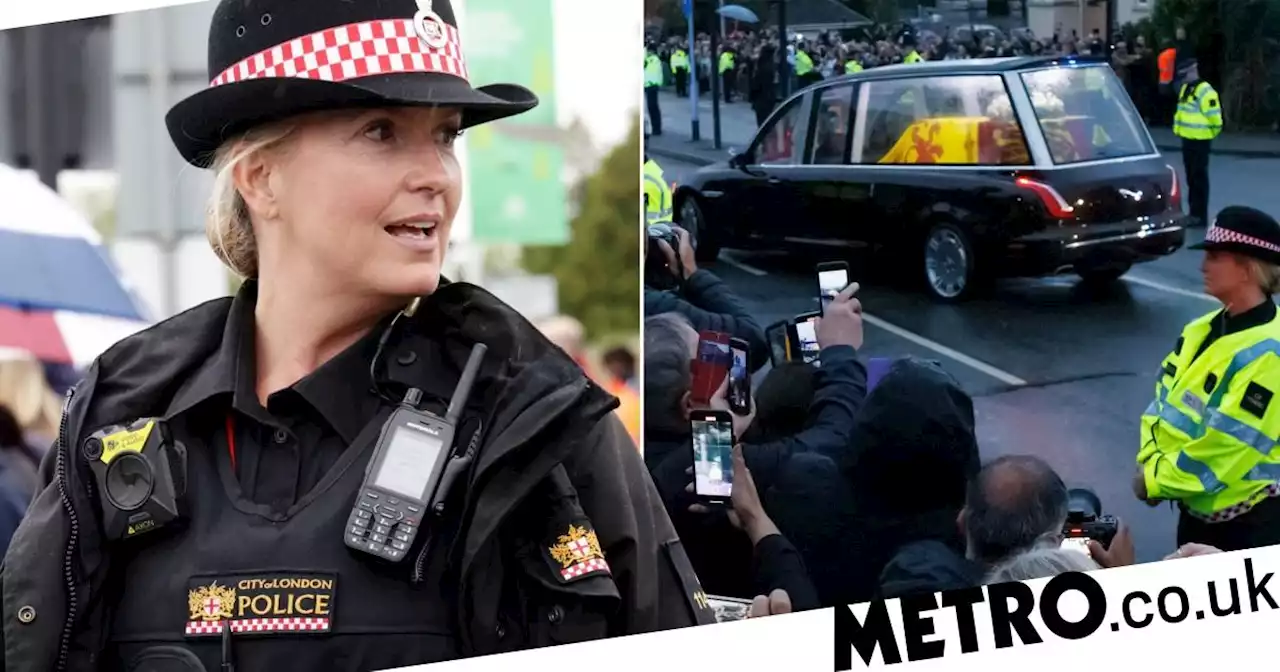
<point>1256,399</point>
<point>576,554</point>
<point>699,603</point>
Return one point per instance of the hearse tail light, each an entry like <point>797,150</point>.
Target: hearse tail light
<point>1053,201</point>
<point>1175,194</point>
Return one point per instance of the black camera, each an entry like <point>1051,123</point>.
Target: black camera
<point>656,272</point>
<point>141,477</point>
<point>1085,519</point>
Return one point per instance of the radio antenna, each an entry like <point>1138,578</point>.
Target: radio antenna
<point>463,390</point>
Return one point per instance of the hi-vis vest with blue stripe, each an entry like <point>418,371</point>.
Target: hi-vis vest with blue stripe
<point>1209,440</point>
<point>657,195</point>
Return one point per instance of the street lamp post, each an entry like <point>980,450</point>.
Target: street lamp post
<point>784,64</point>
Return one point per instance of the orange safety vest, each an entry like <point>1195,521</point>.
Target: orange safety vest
<point>1166,62</point>
<point>629,409</point>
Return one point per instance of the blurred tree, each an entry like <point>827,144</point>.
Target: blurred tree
<point>598,272</point>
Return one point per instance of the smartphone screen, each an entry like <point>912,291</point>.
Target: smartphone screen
<point>832,279</point>
<point>807,340</point>
<point>739,392</point>
<point>712,454</point>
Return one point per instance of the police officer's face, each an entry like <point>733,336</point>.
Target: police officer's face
<point>1224,274</point>
<point>369,196</point>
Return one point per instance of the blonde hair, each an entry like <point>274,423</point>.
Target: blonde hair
<point>1266,275</point>
<point>227,224</point>
<point>26,393</point>
<point>564,331</point>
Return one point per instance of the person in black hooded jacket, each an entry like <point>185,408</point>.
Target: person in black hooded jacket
<point>914,453</point>
<point>893,498</point>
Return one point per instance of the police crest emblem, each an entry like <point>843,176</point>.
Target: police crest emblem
<point>211,602</point>
<point>578,554</point>
<point>429,26</point>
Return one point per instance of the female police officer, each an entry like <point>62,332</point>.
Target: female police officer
<point>1209,438</point>
<point>330,127</point>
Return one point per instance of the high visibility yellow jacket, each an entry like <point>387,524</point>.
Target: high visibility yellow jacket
<point>652,70</point>
<point>804,64</point>
<point>851,67</point>
<point>657,195</point>
<point>1199,114</point>
<point>726,62</point>
<point>1209,439</point>
<point>913,57</point>
<point>679,60</point>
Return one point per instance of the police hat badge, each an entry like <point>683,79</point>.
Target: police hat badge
<point>429,26</point>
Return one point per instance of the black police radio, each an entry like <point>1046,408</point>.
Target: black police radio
<point>403,478</point>
<point>140,473</point>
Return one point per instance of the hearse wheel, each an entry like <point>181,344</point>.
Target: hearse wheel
<point>949,264</point>
<point>692,220</point>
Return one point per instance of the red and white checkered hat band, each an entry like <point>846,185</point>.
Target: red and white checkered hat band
<point>1217,234</point>
<point>382,47</point>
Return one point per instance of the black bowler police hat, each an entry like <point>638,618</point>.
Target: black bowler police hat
<point>272,59</point>
<point>1245,231</point>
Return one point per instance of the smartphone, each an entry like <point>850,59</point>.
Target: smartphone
<point>776,335</point>
<point>833,277</point>
<point>739,388</point>
<point>712,456</point>
<point>1077,544</point>
<point>804,338</point>
<point>711,366</point>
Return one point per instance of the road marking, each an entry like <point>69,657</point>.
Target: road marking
<point>977,365</point>
<point>998,374</point>
<point>743,266</point>
<point>1169,288</point>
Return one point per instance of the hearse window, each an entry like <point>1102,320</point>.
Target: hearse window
<point>1085,114</point>
<point>831,117</point>
<point>891,110</point>
<point>776,142</point>
<point>963,120</point>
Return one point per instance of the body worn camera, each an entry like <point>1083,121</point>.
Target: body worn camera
<point>411,470</point>
<point>1086,521</point>
<point>141,477</point>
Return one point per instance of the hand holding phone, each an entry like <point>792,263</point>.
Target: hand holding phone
<point>841,322</point>
<point>802,338</point>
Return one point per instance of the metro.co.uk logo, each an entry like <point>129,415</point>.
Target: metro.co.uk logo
<point>1067,607</point>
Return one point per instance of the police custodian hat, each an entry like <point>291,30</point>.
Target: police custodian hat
<point>1245,231</point>
<point>272,59</point>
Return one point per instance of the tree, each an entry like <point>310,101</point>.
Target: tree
<point>598,271</point>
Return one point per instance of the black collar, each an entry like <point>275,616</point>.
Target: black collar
<point>1254,317</point>
<point>339,390</point>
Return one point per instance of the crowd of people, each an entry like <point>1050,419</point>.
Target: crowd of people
<point>746,60</point>
<point>843,494</point>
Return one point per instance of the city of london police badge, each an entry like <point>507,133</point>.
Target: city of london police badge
<point>578,553</point>
<point>429,26</point>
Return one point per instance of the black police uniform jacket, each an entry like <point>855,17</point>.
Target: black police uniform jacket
<point>552,454</point>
